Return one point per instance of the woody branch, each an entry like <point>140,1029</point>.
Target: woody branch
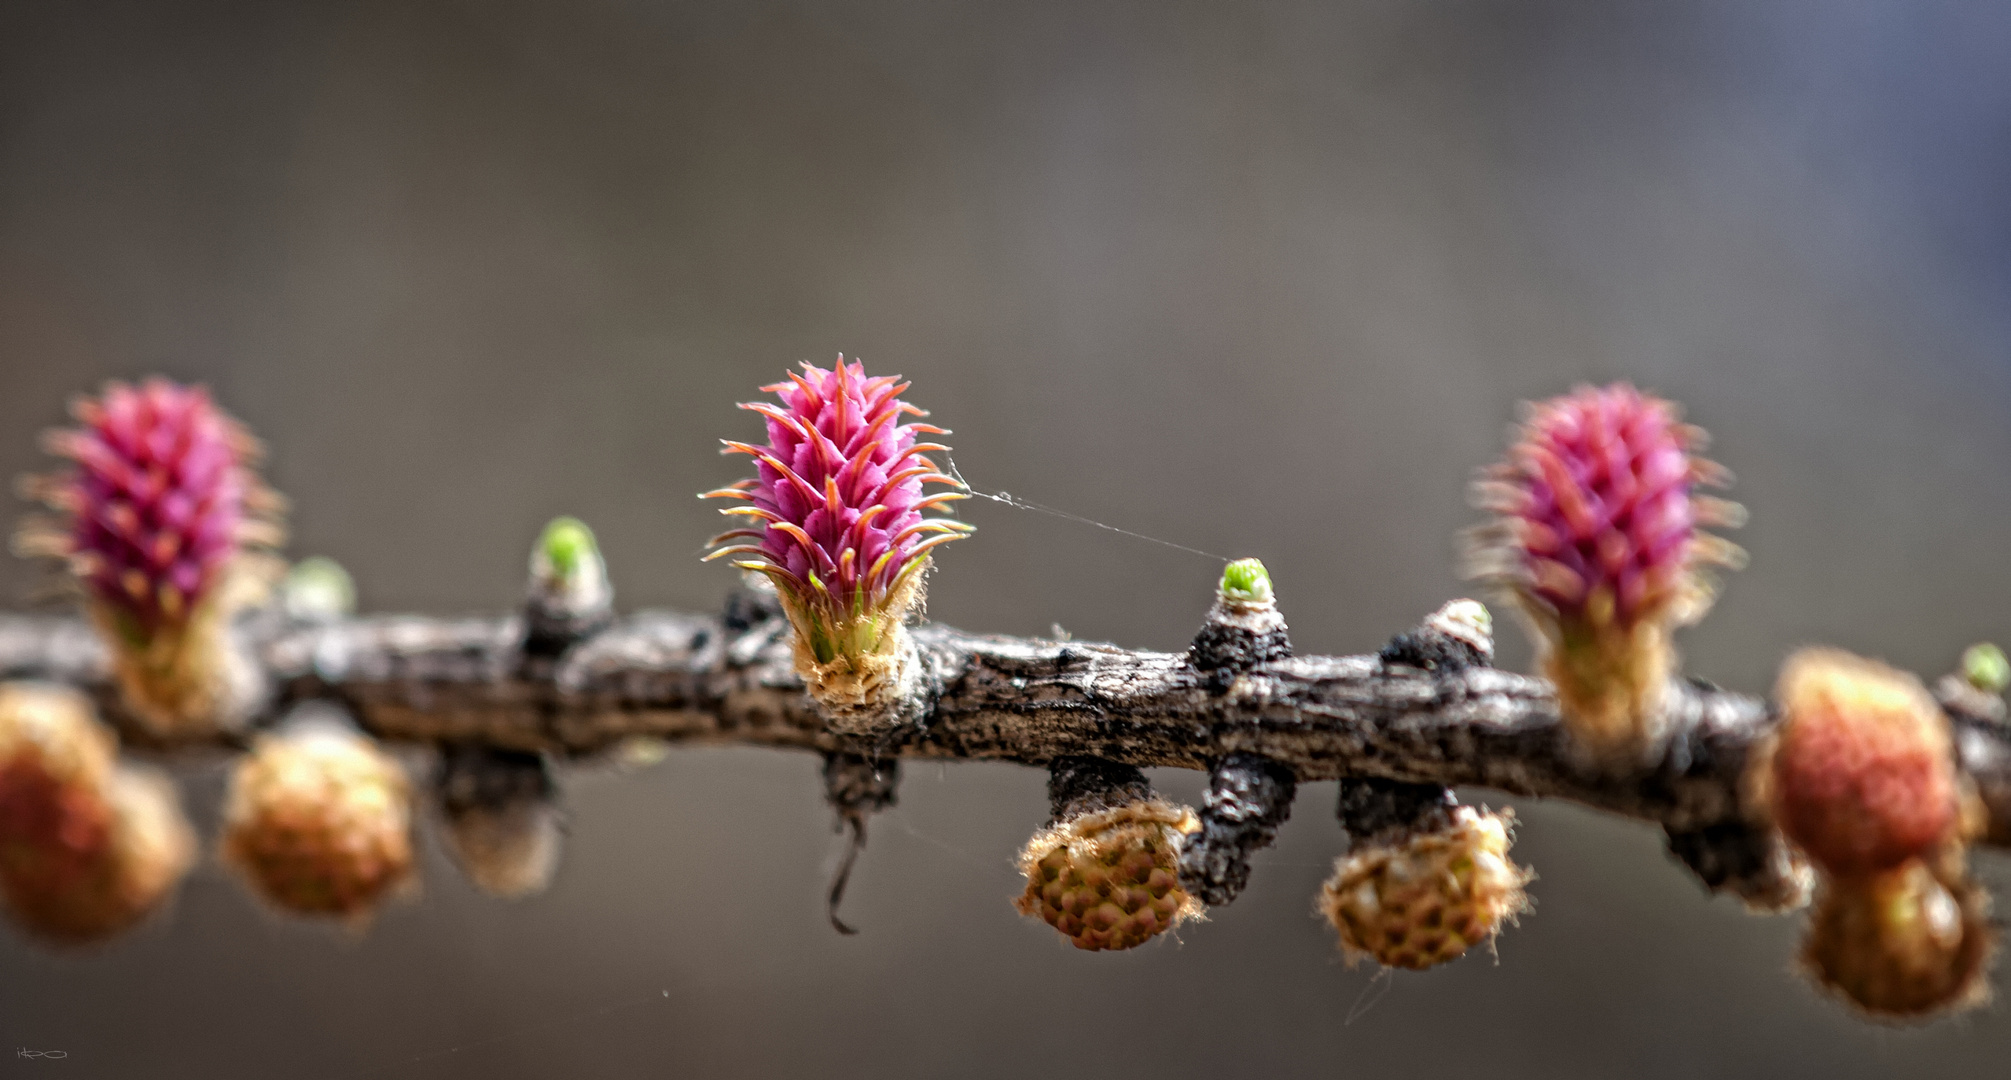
<point>1401,714</point>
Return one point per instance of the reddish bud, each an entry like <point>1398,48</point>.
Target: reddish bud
<point>1862,776</point>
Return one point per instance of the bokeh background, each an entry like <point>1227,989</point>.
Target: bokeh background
<point>1264,278</point>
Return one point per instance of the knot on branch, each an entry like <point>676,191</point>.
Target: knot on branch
<point>748,607</point>
<point>1752,863</point>
<point>569,597</point>
<point>1456,637</point>
<point>1248,798</point>
<point>1374,810</point>
<point>1088,785</point>
<point>1244,627</point>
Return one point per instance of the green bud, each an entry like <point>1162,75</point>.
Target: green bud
<point>567,543</point>
<point>318,588</point>
<point>1245,581</point>
<point>1985,667</point>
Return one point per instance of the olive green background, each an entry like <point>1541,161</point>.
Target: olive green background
<point>1261,279</point>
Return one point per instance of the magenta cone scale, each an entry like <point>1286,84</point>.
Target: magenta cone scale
<point>836,511</point>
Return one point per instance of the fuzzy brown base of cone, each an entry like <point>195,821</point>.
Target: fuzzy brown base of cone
<point>186,680</point>
<point>1611,685</point>
<point>1905,944</point>
<point>319,823</point>
<point>1425,899</point>
<point>859,694</point>
<point>1111,879</point>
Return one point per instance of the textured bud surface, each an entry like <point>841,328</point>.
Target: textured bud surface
<point>319,821</point>
<point>1599,539</point>
<point>1903,943</point>
<point>836,520</point>
<point>1863,775</point>
<point>1110,879</point>
<point>157,511</point>
<point>1424,899</point>
<point>86,848</point>
<point>1245,581</point>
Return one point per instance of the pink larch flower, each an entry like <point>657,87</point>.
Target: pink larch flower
<point>837,507</point>
<point>1599,539</point>
<point>159,506</point>
<point>161,498</point>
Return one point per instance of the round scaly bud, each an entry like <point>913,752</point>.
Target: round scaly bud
<point>161,521</point>
<point>503,821</point>
<point>1418,898</point>
<point>1862,774</point>
<point>835,518</point>
<point>318,820</point>
<point>1457,636</point>
<point>1110,879</point>
<point>1106,870</point>
<point>1598,538</point>
<point>87,847</point>
<point>1905,942</point>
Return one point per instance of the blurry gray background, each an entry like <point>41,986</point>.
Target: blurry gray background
<point>1262,279</point>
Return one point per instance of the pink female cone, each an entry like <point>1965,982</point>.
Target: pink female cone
<point>836,519</point>
<point>1598,538</point>
<point>157,515</point>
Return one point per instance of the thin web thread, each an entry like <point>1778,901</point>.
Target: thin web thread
<point>1380,984</point>
<point>1007,498</point>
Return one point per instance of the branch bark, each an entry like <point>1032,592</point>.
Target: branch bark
<point>729,679</point>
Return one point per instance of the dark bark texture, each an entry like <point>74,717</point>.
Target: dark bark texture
<point>1414,713</point>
